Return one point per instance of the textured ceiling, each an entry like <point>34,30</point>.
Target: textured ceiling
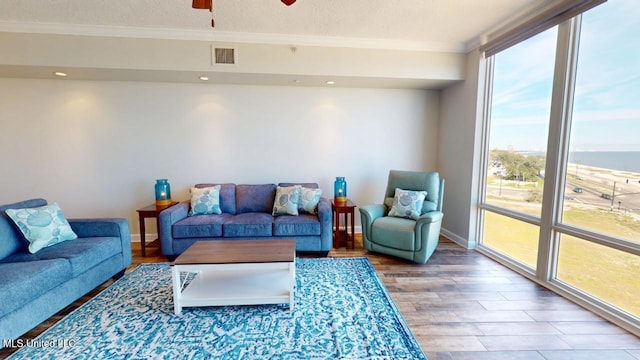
<point>449,25</point>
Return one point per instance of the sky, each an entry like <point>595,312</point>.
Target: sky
<point>606,113</point>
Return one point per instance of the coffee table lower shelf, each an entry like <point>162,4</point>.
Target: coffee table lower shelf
<point>233,284</point>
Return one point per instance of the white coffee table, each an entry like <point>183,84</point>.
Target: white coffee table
<point>235,272</point>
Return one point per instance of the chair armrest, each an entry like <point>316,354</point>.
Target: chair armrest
<point>166,219</point>
<point>105,227</point>
<point>427,235</point>
<point>368,214</point>
<point>372,212</point>
<point>431,217</point>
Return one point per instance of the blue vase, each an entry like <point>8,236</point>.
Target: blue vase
<point>340,190</point>
<point>163,192</point>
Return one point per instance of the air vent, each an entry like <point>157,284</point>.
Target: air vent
<point>224,56</point>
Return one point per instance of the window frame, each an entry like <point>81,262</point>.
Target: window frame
<point>550,222</point>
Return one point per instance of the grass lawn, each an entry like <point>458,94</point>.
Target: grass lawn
<point>604,272</point>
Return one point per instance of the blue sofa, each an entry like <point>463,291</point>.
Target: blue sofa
<point>246,214</point>
<point>33,287</point>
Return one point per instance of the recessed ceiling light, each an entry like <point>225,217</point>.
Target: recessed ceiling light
<point>204,78</point>
<point>330,82</point>
<point>60,73</point>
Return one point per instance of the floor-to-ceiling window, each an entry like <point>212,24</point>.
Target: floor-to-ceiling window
<point>518,127</point>
<point>561,186</point>
<point>602,174</point>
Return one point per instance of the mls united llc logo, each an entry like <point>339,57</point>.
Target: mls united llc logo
<point>20,343</point>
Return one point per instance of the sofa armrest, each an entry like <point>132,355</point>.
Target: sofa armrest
<point>105,227</point>
<point>326,224</point>
<point>112,227</point>
<point>166,219</point>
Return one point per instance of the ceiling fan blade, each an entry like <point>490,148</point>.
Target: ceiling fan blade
<point>288,2</point>
<point>202,4</point>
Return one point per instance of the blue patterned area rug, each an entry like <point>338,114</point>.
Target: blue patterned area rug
<point>342,311</point>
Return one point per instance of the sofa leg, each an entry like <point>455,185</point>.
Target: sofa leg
<point>118,275</point>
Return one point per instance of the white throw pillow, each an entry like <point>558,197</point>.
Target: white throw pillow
<point>205,201</point>
<point>309,199</point>
<point>286,202</point>
<point>42,226</point>
<point>407,204</point>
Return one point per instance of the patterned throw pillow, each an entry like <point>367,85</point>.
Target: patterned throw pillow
<point>407,204</point>
<point>42,226</point>
<point>309,199</point>
<point>205,201</point>
<point>287,199</point>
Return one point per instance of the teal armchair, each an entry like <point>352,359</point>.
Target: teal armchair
<point>410,239</point>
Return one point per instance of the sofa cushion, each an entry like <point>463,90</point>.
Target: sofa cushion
<point>255,198</point>
<point>24,282</point>
<point>248,225</point>
<point>303,224</point>
<point>227,196</point>
<point>394,232</point>
<point>82,254</point>
<point>11,240</point>
<point>200,226</point>
<point>205,200</point>
<point>42,226</point>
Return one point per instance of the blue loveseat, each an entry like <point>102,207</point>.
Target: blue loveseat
<point>246,214</point>
<point>33,287</point>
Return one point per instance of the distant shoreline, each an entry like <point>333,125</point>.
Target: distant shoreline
<point>620,173</point>
<point>615,160</point>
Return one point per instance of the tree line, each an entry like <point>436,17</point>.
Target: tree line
<point>518,166</point>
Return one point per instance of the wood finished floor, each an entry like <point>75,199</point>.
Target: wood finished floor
<point>462,305</point>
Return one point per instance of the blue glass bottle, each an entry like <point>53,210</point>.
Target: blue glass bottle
<point>340,190</point>
<point>163,192</point>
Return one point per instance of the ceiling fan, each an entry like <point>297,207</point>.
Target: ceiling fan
<point>208,5</point>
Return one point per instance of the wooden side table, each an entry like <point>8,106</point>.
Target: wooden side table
<point>342,237</point>
<point>150,211</point>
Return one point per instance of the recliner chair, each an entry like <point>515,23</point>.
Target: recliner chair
<point>400,235</point>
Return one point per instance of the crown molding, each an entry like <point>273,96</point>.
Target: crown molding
<point>473,44</point>
<point>517,18</point>
<point>222,36</point>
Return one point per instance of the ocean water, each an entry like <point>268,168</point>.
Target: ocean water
<point>615,160</point>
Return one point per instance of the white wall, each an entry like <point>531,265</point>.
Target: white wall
<point>96,148</point>
<point>458,155</point>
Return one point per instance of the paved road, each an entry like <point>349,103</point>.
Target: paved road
<point>627,195</point>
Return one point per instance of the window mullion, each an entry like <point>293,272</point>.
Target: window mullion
<point>558,146</point>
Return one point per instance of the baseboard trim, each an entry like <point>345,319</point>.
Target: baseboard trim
<point>465,243</point>
<point>135,238</point>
